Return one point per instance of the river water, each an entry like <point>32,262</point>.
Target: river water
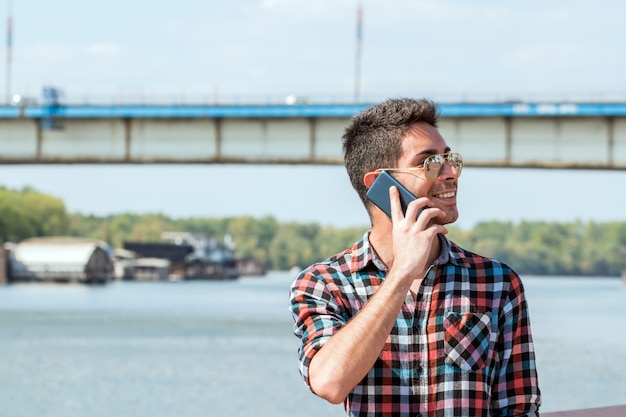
<point>203,348</point>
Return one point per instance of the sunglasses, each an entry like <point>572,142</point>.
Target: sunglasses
<point>433,165</point>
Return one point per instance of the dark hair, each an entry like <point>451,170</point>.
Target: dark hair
<point>373,139</point>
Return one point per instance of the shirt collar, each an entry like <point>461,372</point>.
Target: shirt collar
<point>362,254</point>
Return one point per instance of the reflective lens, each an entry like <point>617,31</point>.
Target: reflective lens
<point>434,163</point>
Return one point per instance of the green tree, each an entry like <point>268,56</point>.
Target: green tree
<point>26,213</point>
<point>550,248</point>
<point>50,211</point>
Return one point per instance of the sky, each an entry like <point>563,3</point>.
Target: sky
<point>263,51</point>
<point>268,49</point>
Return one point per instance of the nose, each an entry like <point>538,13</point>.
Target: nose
<point>449,170</point>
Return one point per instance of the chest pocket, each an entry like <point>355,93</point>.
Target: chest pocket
<point>467,339</point>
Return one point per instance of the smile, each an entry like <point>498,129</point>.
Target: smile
<point>449,194</point>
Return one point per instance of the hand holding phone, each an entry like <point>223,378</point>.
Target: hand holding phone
<point>379,193</point>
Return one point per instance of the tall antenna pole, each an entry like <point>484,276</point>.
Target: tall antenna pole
<point>357,63</point>
<point>9,53</point>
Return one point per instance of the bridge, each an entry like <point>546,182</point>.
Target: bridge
<point>509,134</point>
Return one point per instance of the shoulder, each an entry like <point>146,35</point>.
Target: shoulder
<point>341,266</point>
<point>474,258</point>
<point>323,273</point>
<point>483,266</point>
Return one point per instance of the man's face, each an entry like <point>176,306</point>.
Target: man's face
<point>419,143</point>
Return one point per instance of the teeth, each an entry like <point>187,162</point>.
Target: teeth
<point>446,195</point>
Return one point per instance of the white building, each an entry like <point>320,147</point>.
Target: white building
<point>71,259</point>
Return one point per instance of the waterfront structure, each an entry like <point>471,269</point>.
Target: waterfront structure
<point>4,267</point>
<point>124,264</point>
<point>250,267</point>
<point>152,269</point>
<point>63,259</point>
<point>174,254</point>
<point>190,256</point>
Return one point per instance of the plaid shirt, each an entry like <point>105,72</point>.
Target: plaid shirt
<point>461,347</point>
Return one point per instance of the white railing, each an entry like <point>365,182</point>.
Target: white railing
<point>203,98</point>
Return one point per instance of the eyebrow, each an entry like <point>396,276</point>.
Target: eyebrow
<point>428,152</point>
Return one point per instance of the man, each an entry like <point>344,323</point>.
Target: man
<point>406,323</point>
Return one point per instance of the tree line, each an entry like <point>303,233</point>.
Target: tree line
<point>538,248</point>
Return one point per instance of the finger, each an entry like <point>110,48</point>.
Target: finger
<point>415,208</point>
<point>394,204</point>
<point>428,214</point>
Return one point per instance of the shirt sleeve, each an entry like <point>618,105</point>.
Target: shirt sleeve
<point>317,316</point>
<point>516,392</point>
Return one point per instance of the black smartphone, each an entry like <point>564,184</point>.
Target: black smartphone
<point>379,193</point>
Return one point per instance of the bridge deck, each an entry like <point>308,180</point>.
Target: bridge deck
<point>535,135</point>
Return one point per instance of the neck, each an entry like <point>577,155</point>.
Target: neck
<point>381,240</point>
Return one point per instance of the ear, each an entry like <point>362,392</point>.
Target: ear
<point>369,178</point>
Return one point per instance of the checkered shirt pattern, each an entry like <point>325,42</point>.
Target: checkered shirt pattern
<point>461,347</point>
